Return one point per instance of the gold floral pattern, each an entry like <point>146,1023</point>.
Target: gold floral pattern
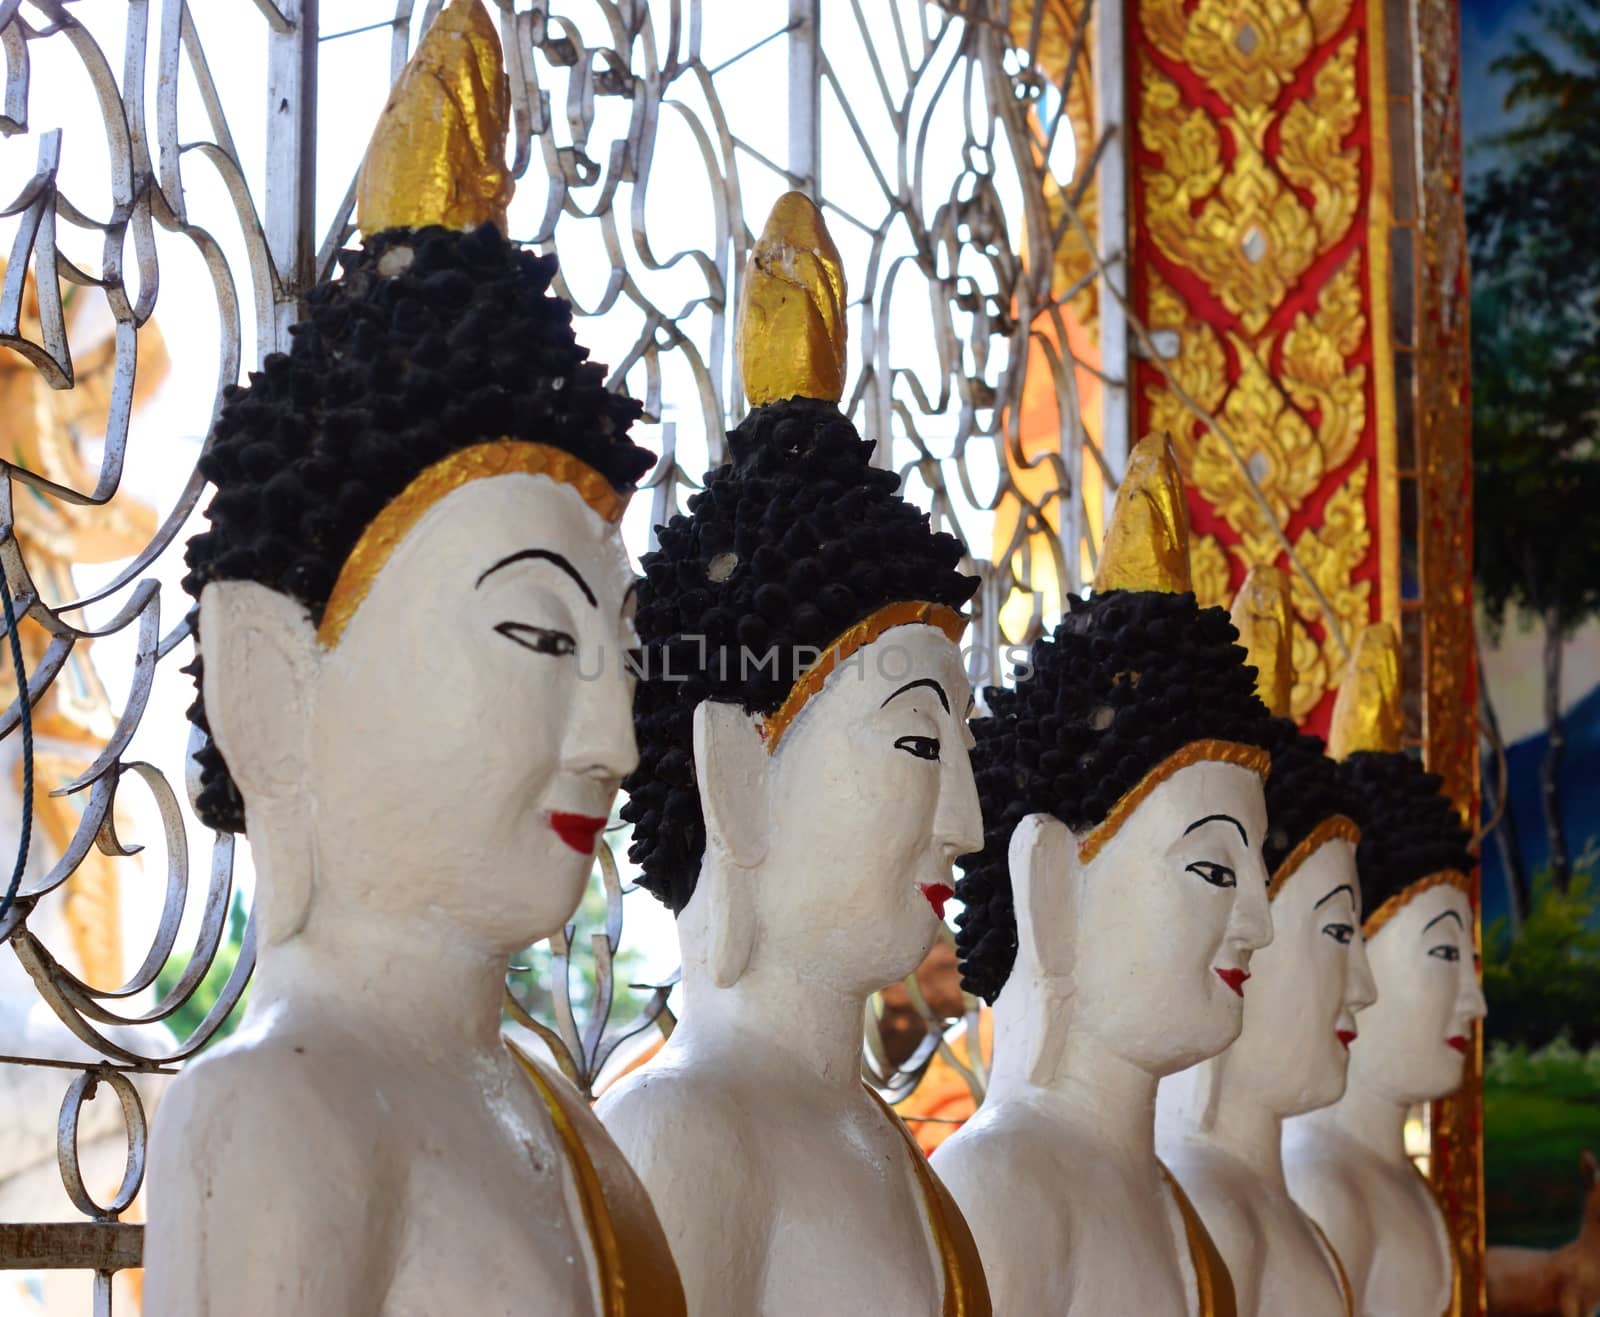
<point>1330,553</point>
<point>1252,238</point>
<point>1208,571</point>
<point>1250,183</point>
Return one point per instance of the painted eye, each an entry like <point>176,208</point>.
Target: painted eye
<point>923,747</point>
<point>541,640</point>
<point>1218,875</point>
<point>1340,933</point>
<point>1452,954</point>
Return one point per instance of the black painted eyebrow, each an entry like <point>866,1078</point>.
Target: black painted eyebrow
<point>1342,887</point>
<point>542,555</point>
<point>1448,914</point>
<point>930,683</point>
<point>1219,818</point>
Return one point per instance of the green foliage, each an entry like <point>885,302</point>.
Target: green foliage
<point>1544,984</point>
<point>1533,224</point>
<point>1540,1110</point>
<point>534,980</point>
<point>186,1019</point>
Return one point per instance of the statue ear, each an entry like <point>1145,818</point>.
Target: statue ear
<point>1586,1163</point>
<point>731,766</point>
<point>1043,857</point>
<point>261,658</point>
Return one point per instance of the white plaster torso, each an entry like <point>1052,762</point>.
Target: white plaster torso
<point>364,1142</point>
<point>1219,1125</point>
<point>1065,1222</point>
<point>1114,985</point>
<point>784,1188</point>
<point>1346,1164</point>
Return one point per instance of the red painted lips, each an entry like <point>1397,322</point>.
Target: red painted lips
<point>937,894</point>
<point>1234,978</point>
<point>1462,1045</point>
<point>1346,1037</point>
<point>577,830</point>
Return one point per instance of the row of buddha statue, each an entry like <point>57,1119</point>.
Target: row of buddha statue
<point>413,606</point>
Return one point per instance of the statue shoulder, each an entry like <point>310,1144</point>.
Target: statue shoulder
<point>295,1108</point>
<point>1328,1189</point>
<point>673,1122</point>
<point>265,1139</point>
<point>1009,1188</point>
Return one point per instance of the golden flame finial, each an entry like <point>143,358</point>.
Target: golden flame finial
<point>1366,714</point>
<point>1261,614</point>
<point>437,155</point>
<point>791,308</point>
<point>1147,543</point>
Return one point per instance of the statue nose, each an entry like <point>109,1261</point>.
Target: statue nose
<point>600,741</point>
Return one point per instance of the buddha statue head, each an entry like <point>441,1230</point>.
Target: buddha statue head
<point>1414,863</point>
<point>1121,880</point>
<point>803,783</point>
<point>412,594</point>
<point>1308,985</point>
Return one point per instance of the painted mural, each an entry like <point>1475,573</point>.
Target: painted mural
<point>1533,164</point>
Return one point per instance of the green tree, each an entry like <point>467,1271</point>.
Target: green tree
<point>1544,983</point>
<point>1533,223</point>
<point>186,1019</point>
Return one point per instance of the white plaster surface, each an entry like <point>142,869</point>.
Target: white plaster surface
<point>782,1187</point>
<point>1114,986</point>
<point>364,1142</point>
<point>1220,1123</point>
<point>1347,1163</point>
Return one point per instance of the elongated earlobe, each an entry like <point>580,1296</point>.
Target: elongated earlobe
<point>731,766</point>
<point>1044,863</point>
<point>1043,857</point>
<point>261,660</point>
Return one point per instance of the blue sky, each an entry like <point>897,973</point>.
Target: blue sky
<point>1488,28</point>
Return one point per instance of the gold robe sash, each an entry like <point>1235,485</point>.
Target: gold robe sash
<point>1338,1269</point>
<point>966,1291</point>
<point>637,1275</point>
<point>1213,1281</point>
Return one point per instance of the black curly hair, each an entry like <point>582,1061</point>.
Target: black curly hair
<point>1304,788</point>
<point>796,538</point>
<point>1411,829</point>
<point>431,341</point>
<point>1127,679</point>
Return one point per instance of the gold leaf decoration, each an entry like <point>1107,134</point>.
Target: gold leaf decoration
<point>1253,239</point>
<point>1208,570</point>
<point>1315,373</point>
<point>1310,672</point>
<point>1247,186</point>
<point>1200,368</point>
<point>1279,450</point>
<point>1309,153</point>
<point>1330,553</point>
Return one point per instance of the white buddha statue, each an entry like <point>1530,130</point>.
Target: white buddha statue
<point>1220,1124</point>
<point>804,786</point>
<point>1110,919</point>
<point>411,577</point>
<point>1347,1163</point>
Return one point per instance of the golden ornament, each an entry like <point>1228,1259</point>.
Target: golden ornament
<point>1264,620</point>
<point>437,155</point>
<point>1366,714</point>
<point>1147,543</point>
<point>792,308</point>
